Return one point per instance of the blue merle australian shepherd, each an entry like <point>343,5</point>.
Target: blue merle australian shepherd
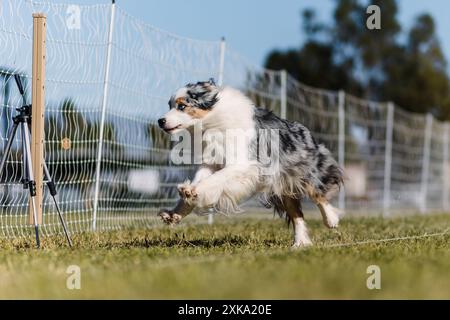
<point>302,167</point>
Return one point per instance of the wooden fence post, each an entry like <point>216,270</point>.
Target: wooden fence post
<point>37,111</point>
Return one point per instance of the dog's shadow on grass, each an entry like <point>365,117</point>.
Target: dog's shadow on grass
<point>204,243</point>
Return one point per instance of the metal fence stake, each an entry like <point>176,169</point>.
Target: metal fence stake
<point>388,159</point>
<point>103,116</point>
<point>426,163</point>
<point>220,83</point>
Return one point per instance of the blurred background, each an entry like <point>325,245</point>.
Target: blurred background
<point>325,43</point>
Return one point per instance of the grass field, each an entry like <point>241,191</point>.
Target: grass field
<point>236,258</point>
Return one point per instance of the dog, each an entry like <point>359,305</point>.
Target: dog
<point>303,167</point>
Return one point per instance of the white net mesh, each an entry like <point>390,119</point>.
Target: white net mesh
<point>261,85</point>
<point>407,159</point>
<point>131,156</point>
<point>365,140</point>
<point>436,190</point>
<point>147,65</point>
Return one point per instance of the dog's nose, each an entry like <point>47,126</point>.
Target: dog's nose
<point>162,122</point>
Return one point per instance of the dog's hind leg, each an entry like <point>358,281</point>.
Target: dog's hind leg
<point>330,214</point>
<point>294,211</point>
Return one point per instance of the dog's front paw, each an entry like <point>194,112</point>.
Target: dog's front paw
<point>169,217</point>
<point>165,216</point>
<point>187,192</point>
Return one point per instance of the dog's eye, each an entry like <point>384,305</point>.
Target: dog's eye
<point>181,107</point>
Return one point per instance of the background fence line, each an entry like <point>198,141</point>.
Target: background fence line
<point>109,77</point>
<point>445,171</point>
<point>426,162</point>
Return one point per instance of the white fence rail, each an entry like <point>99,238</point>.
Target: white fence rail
<point>109,77</point>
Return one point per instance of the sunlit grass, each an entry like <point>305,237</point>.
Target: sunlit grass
<point>235,258</point>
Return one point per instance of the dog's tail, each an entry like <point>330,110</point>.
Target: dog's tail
<point>331,175</point>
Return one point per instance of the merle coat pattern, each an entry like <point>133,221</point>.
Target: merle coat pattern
<point>304,168</point>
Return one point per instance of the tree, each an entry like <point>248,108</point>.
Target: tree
<point>375,64</point>
<point>417,77</point>
<point>314,64</point>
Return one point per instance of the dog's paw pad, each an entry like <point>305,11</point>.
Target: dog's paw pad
<point>169,217</point>
<point>187,191</point>
<point>182,188</point>
<point>165,216</point>
<point>176,218</point>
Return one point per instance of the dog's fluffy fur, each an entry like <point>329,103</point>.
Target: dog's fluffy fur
<point>304,168</point>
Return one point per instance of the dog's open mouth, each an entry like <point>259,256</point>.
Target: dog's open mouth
<point>172,129</point>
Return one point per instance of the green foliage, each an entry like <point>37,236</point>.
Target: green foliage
<point>390,64</point>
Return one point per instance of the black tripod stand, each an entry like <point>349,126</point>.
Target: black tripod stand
<point>23,119</point>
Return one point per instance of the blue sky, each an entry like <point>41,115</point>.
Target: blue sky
<point>254,27</point>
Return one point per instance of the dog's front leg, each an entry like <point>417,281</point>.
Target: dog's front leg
<point>187,189</point>
<point>174,216</point>
<point>187,192</point>
<point>230,184</point>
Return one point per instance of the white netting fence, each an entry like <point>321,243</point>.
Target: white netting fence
<point>109,77</point>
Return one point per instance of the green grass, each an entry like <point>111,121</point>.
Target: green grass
<point>236,258</point>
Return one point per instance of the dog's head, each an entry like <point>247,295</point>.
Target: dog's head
<point>189,105</point>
